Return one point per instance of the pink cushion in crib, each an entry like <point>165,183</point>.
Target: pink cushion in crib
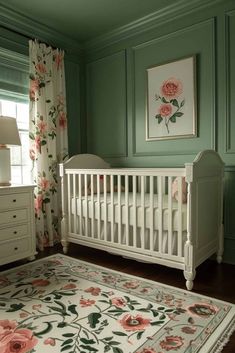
<point>101,181</point>
<point>174,190</point>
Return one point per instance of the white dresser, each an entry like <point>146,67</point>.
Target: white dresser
<point>17,225</point>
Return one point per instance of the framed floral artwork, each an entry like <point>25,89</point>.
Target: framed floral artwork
<point>171,100</point>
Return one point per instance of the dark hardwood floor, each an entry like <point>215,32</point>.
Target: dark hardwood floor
<point>212,279</point>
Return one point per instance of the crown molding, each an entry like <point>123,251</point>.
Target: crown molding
<point>29,28</point>
<point>149,22</point>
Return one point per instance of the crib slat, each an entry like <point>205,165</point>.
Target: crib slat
<point>92,206</point>
<point>126,234</point>
<point>112,207</point>
<point>151,211</point>
<point>134,211</point>
<point>105,206</point>
<point>86,205</point>
<point>169,228</point>
<point>69,204</point>
<point>98,205</point>
<point>119,209</point>
<point>75,203</point>
<point>160,232</point>
<point>179,238</point>
<point>142,202</point>
<point>80,201</point>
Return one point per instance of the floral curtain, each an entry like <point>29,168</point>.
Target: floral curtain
<point>48,137</point>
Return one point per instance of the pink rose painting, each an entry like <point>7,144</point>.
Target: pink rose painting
<point>172,105</point>
<point>170,100</point>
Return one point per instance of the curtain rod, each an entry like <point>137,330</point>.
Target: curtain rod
<point>26,36</point>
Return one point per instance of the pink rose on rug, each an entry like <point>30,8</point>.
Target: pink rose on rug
<point>134,323</point>
<point>7,326</point>
<point>131,284</point>
<point>109,279</point>
<point>118,302</point>
<point>171,88</point>
<point>93,290</point>
<point>189,329</point>
<point>56,262</point>
<point>37,306</point>
<point>69,286</point>
<point>172,343</point>
<point>40,282</point>
<point>86,302</point>
<point>50,341</point>
<point>17,341</point>
<point>203,310</point>
<point>22,315</point>
<point>4,281</point>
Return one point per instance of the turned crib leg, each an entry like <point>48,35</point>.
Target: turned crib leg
<point>64,232</point>
<point>189,260</point>
<point>189,269</point>
<point>65,246</point>
<point>189,276</point>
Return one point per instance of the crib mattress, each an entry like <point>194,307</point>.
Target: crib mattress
<point>138,212</point>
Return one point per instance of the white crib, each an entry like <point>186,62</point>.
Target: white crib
<point>169,216</point>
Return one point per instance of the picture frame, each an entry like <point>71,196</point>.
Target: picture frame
<point>171,100</point>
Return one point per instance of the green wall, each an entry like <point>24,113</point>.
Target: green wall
<point>116,88</point>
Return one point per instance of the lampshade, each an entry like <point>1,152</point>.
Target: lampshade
<point>9,134</point>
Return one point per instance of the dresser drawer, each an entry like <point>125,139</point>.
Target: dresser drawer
<point>14,200</point>
<point>14,216</point>
<point>14,248</point>
<point>14,232</point>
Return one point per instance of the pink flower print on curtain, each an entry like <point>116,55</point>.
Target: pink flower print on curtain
<point>48,137</point>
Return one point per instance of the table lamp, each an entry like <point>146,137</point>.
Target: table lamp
<point>9,135</point>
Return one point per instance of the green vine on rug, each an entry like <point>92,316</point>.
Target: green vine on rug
<point>86,337</point>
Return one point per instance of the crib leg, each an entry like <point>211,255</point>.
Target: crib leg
<point>189,276</point>
<point>189,270</point>
<point>65,246</point>
<point>64,231</point>
<point>220,244</point>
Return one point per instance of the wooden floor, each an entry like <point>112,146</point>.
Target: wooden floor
<point>212,279</point>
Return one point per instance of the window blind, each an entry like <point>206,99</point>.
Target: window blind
<point>14,76</point>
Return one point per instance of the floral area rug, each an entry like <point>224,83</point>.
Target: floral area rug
<point>60,304</point>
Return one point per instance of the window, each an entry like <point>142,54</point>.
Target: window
<point>21,165</point>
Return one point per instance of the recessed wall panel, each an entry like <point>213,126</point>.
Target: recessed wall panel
<point>106,106</point>
<point>196,40</point>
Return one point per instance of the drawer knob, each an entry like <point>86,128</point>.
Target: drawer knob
<point>15,232</point>
<point>14,200</point>
<point>15,248</point>
<point>14,216</point>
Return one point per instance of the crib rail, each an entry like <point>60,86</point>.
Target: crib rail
<point>130,209</point>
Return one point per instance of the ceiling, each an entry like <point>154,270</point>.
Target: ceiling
<point>84,20</point>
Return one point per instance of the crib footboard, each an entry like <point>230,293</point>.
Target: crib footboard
<point>205,236</point>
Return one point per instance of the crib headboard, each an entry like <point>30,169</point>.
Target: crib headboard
<point>86,161</point>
